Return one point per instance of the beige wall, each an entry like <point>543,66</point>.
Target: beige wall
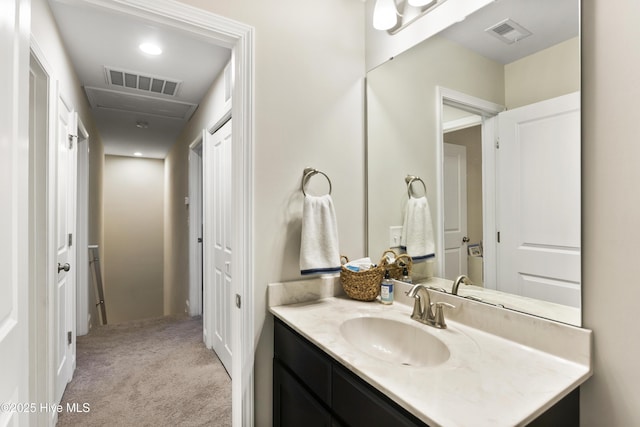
<point>309,102</point>
<point>402,124</point>
<point>611,210</point>
<point>47,38</point>
<point>546,74</point>
<point>134,238</point>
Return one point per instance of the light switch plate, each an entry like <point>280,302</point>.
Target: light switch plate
<point>395,233</point>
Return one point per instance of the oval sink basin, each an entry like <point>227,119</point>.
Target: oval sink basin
<point>394,341</point>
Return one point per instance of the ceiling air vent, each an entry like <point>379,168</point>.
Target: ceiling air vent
<point>509,31</point>
<point>143,82</point>
<point>110,99</point>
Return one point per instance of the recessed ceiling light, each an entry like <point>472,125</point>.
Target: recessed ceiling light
<point>137,154</point>
<point>150,48</point>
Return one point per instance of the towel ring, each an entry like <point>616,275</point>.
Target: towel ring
<point>308,173</point>
<point>409,179</point>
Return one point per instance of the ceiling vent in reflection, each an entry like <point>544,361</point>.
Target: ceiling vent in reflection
<point>139,81</point>
<point>509,31</point>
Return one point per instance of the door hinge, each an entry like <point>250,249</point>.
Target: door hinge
<point>70,239</point>
<point>238,302</point>
<point>69,338</point>
<point>497,143</point>
<point>498,237</point>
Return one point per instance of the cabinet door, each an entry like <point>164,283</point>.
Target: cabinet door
<point>308,363</point>
<point>293,405</point>
<point>358,404</point>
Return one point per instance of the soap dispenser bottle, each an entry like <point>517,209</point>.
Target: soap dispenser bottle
<point>405,275</point>
<point>386,289</point>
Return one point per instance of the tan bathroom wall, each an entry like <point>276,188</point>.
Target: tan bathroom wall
<point>611,210</point>
<point>546,74</point>
<point>134,238</point>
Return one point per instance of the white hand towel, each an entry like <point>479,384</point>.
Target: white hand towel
<point>319,250</point>
<point>417,230</point>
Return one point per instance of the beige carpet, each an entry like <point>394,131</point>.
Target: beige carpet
<point>148,373</point>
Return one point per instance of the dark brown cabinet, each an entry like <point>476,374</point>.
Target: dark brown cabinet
<point>312,389</point>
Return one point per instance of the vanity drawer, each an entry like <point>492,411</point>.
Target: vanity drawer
<point>311,366</point>
<point>356,403</point>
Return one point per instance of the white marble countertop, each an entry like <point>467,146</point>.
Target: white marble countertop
<point>487,381</point>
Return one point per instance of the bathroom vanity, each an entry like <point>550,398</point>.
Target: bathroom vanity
<point>311,388</point>
<point>343,362</point>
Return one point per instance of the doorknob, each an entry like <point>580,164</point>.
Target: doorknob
<point>465,239</point>
<point>65,267</point>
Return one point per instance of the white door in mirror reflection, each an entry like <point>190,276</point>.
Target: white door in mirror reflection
<point>539,157</point>
<point>455,210</point>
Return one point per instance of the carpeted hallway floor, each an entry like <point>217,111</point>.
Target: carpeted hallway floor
<point>153,372</point>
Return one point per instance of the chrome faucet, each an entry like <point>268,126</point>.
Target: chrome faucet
<point>461,279</point>
<point>423,308</point>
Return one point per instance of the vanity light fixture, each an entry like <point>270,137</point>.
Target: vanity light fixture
<point>150,48</point>
<point>387,18</point>
<point>385,15</point>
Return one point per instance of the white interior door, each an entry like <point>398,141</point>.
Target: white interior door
<point>455,210</point>
<point>14,213</point>
<point>539,156</point>
<point>64,295</point>
<point>217,238</point>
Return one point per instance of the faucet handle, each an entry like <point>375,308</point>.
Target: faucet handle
<point>439,317</point>
<point>417,307</point>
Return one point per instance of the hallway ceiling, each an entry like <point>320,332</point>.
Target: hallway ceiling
<point>98,41</point>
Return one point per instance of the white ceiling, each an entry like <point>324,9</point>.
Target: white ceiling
<point>550,22</point>
<point>95,39</point>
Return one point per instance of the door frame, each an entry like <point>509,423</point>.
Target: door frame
<point>83,317</point>
<point>195,219</point>
<point>239,38</point>
<point>42,257</point>
<point>487,110</point>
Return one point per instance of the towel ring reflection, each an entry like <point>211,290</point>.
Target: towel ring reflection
<point>409,179</point>
<point>308,173</point>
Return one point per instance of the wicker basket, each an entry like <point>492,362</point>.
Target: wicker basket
<point>365,285</point>
<point>400,262</point>
<point>362,285</point>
